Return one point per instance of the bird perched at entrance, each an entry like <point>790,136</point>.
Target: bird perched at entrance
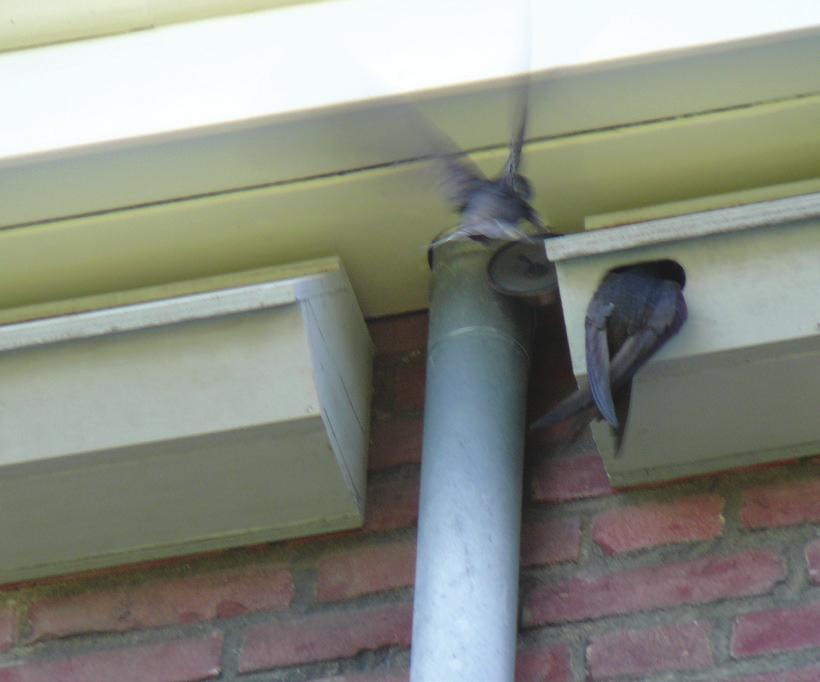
<point>634,311</point>
<point>490,208</point>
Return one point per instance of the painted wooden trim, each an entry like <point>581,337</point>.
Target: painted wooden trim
<point>689,226</point>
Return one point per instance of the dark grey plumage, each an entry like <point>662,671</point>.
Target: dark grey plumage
<point>634,311</point>
<point>490,208</point>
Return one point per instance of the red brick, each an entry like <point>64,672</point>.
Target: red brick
<point>365,570</point>
<point>647,525</point>
<point>399,333</point>
<point>8,627</point>
<point>326,636</point>
<point>367,677</point>
<point>811,674</point>
<point>691,582</point>
<point>183,660</point>
<point>782,505</point>
<point>571,478</point>
<point>554,438</point>
<point>767,632</point>
<point>653,650</point>
<point>544,664</point>
<point>813,561</point>
<point>111,572</point>
<point>160,602</point>
<point>394,442</point>
<point>392,503</point>
<point>410,383</point>
<point>551,541</point>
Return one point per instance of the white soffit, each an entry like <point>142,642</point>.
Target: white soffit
<point>245,141</point>
<point>294,60</point>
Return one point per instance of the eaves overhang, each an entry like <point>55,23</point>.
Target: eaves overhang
<point>260,139</point>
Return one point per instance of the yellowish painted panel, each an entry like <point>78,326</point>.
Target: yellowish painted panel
<point>378,221</point>
<point>52,21</point>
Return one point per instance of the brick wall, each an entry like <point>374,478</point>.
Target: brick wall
<point>711,579</point>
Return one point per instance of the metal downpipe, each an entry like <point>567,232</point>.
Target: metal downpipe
<point>465,612</point>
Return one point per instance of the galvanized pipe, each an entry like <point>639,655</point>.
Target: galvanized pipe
<point>466,593</point>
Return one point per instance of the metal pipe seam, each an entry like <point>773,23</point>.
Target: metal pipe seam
<point>476,330</point>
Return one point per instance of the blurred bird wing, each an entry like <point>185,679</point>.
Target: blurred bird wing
<point>536,220</point>
<point>597,351</point>
<point>447,236</point>
<point>516,145</point>
<point>461,177</point>
<point>494,229</point>
<point>488,228</point>
<point>571,406</point>
<point>511,167</point>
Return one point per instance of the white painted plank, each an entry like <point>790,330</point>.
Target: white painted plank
<point>689,226</point>
<point>295,59</point>
<point>109,318</point>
